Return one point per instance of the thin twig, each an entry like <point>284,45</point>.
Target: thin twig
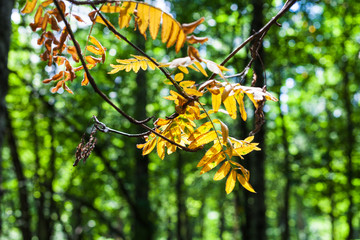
<point>103,128</point>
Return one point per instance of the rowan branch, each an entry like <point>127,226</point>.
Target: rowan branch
<point>98,91</point>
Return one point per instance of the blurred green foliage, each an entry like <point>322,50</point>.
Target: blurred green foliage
<point>312,65</point>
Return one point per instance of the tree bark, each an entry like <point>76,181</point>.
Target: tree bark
<point>257,222</point>
<point>285,230</point>
<point>25,219</point>
<point>5,26</point>
<point>182,231</point>
<point>142,226</point>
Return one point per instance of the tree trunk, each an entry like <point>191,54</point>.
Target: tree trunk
<point>5,26</point>
<point>256,224</point>
<point>142,227</point>
<point>285,234</point>
<point>25,219</point>
<point>182,231</point>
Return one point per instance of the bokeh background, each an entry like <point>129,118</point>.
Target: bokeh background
<point>307,176</point>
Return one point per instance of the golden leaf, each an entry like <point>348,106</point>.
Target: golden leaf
<point>245,183</point>
<point>230,182</point>
<point>180,41</point>
<point>143,18</point>
<point>240,100</point>
<point>127,8</point>
<point>216,101</point>
<point>230,106</point>
<point>193,92</point>
<point>155,18</point>
<point>213,162</point>
<point>166,27</point>
<point>29,6</point>
<point>215,149</point>
<point>223,171</point>
<point>203,139</point>
<point>149,146</point>
<point>85,81</point>
<point>110,9</point>
<point>202,70</point>
<point>161,148</point>
<point>132,64</point>
<point>174,34</point>
<point>179,77</point>
<point>186,84</point>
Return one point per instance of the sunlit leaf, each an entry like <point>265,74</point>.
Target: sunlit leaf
<point>149,146</point>
<point>155,18</point>
<point>230,182</point>
<point>179,77</point>
<point>204,139</point>
<point>245,183</point>
<point>29,6</point>
<point>215,149</point>
<point>230,106</point>
<point>223,171</point>
<point>213,162</point>
<point>127,8</point>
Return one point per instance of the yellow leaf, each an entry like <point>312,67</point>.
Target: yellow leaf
<point>94,41</point>
<point>180,41</point>
<point>202,70</point>
<point>93,49</point>
<point>143,14</point>
<point>29,6</point>
<point>173,35</point>
<point>110,9</point>
<point>239,98</point>
<point>249,139</point>
<point>205,127</point>
<point>149,146</point>
<point>227,90</point>
<point>223,171</point>
<point>186,84</point>
<point>179,77</point>
<point>127,8</point>
<point>166,28</point>
<point>215,149</point>
<point>92,60</point>
<point>216,101</point>
<point>203,139</point>
<point>230,106</point>
<point>230,182</point>
<point>161,148</point>
<point>193,92</point>
<point>245,183</point>
<point>213,162</point>
<point>155,18</point>
<point>85,81</point>
<point>47,3</point>
<point>183,69</point>
<point>136,66</point>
